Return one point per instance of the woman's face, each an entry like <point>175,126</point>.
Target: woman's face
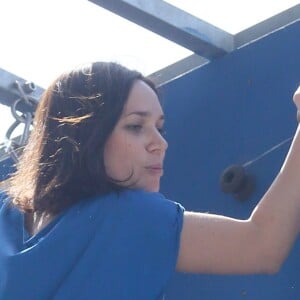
<point>136,146</point>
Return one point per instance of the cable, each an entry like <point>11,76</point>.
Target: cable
<point>250,162</point>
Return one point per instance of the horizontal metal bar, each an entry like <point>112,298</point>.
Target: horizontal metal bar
<point>267,26</point>
<point>241,39</point>
<point>174,24</point>
<point>178,69</point>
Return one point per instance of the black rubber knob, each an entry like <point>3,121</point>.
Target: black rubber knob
<point>235,181</point>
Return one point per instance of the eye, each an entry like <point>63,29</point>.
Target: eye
<point>162,131</point>
<point>134,127</point>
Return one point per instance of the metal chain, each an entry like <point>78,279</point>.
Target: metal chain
<point>14,146</point>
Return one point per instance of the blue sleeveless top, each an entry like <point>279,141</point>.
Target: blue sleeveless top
<point>119,246</point>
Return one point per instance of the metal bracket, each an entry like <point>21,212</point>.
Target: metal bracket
<point>9,91</point>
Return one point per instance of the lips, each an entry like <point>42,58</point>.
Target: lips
<point>155,169</point>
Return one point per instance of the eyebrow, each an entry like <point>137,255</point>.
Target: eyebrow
<point>143,114</point>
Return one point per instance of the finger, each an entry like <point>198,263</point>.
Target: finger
<point>296,98</point>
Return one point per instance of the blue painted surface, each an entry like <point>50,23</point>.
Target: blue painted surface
<point>229,112</point>
<point>6,167</point>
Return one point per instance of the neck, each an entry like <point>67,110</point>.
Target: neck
<point>36,221</point>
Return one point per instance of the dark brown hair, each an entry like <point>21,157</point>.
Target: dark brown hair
<point>63,160</point>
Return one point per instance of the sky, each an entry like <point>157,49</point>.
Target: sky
<point>42,38</point>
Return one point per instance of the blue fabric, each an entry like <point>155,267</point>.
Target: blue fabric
<point>119,246</point>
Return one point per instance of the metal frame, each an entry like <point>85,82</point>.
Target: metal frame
<point>174,24</point>
<point>205,40</point>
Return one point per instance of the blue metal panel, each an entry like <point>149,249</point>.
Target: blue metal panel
<point>226,112</point>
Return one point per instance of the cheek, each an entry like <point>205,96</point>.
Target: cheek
<point>111,159</point>
<point>119,158</point>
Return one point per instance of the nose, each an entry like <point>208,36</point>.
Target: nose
<point>157,143</point>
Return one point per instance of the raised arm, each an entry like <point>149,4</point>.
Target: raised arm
<point>221,245</point>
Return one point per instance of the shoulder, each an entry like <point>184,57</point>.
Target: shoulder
<point>137,211</point>
<point>150,202</point>
<point>153,212</point>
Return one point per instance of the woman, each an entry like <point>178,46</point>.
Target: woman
<point>84,220</point>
